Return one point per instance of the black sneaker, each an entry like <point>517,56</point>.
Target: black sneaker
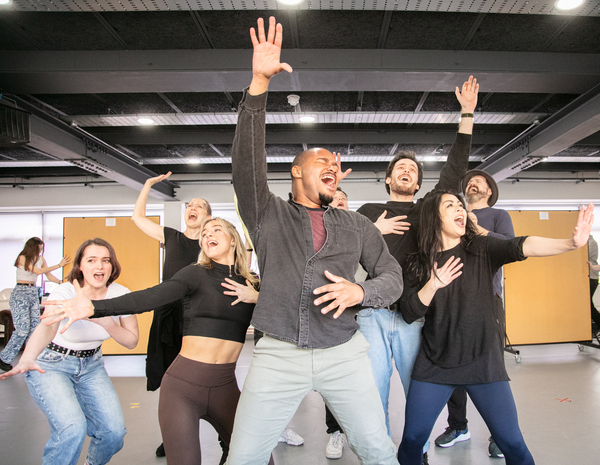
<point>425,459</point>
<point>160,451</point>
<point>5,366</point>
<point>493,450</point>
<point>451,436</point>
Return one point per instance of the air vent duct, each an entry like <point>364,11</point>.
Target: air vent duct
<point>14,127</point>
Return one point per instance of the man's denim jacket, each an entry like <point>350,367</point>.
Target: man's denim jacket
<point>290,269</point>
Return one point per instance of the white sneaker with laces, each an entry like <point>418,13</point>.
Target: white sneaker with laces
<point>290,437</point>
<point>335,446</point>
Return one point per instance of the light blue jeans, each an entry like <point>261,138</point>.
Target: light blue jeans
<point>78,398</point>
<point>281,375</point>
<point>25,309</point>
<point>390,337</point>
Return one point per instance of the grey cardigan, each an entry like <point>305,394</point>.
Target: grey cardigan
<point>281,232</point>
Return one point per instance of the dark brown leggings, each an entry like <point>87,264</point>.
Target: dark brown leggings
<point>192,391</point>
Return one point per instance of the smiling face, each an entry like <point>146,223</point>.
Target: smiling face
<point>454,219</point>
<point>95,266</point>
<point>404,178</point>
<point>477,189</point>
<point>217,244</point>
<point>315,178</point>
<point>195,212</point>
<point>340,200</point>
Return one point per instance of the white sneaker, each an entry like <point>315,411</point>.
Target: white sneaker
<point>290,437</point>
<point>335,446</point>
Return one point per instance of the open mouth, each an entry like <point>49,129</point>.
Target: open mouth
<point>192,216</point>
<point>329,180</point>
<point>99,276</point>
<point>460,221</point>
<point>405,179</point>
<point>212,243</point>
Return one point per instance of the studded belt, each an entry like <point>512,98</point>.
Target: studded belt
<point>24,284</point>
<point>74,353</point>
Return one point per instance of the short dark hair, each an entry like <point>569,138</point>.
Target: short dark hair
<point>76,273</point>
<point>339,189</point>
<point>410,155</point>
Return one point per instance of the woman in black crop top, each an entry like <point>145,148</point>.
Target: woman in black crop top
<point>449,281</point>
<point>219,296</point>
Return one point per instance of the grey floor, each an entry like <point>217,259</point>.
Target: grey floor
<point>556,388</point>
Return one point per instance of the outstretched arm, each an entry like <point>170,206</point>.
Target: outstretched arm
<point>248,157</point>
<point>149,227</point>
<point>545,247</point>
<point>458,159</point>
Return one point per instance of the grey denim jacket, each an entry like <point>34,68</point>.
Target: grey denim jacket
<point>281,232</point>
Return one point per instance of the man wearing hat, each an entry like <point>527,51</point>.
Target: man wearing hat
<point>481,194</point>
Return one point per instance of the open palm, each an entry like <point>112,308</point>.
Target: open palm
<point>267,50</point>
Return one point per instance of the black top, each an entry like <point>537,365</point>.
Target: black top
<point>400,245</point>
<point>206,310</point>
<point>460,338</point>
<point>180,251</point>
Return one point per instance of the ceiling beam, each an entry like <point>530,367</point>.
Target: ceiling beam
<point>184,136</point>
<point>35,72</point>
<point>79,148</point>
<point>575,122</point>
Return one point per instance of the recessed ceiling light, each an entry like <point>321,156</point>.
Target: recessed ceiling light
<point>307,119</point>
<point>4,2</point>
<point>194,161</point>
<point>145,121</point>
<point>567,4</point>
<point>290,2</point>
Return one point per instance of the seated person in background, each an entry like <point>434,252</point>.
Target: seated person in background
<point>65,371</point>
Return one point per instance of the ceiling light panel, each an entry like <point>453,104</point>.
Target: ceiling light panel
<point>506,6</point>
<point>207,119</point>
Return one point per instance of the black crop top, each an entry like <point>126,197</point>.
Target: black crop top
<point>207,311</point>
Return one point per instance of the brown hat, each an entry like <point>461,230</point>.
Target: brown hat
<point>493,186</point>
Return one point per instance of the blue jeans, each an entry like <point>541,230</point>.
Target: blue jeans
<point>281,375</point>
<point>25,308</point>
<point>78,398</point>
<point>495,403</point>
<point>390,337</point>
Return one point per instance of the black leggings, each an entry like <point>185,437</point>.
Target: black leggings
<point>192,391</point>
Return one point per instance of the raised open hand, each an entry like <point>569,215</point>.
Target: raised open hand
<point>467,96</point>
<point>338,159</point>
<point>582,230</point>
<point>267,50</point>
<point>157,179</point>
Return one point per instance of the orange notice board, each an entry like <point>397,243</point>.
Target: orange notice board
<point>547,299</point>
<point>138,256</point>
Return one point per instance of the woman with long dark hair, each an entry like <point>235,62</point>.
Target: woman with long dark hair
<point>200,383</point>
<point>24,299</point>
<point>449,281</point>
<point>65,371</point>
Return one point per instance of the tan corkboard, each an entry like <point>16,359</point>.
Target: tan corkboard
<point>547,299</point>
<point>137,253</point>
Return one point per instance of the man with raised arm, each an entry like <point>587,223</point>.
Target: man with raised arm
<point>181,249</point>
<point>384,328</point>
<point>308,253</point>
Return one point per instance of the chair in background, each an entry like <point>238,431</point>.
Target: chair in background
<point>6,320</point>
